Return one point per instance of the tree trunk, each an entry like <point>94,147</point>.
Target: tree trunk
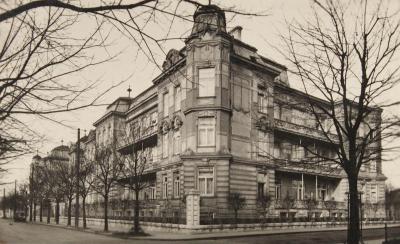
<point>57,214</point>
<point>31,211</point>
<point>34,211</point>
<point>136,214</point>
<point>41,211</point>
<point>48,211</point>
<point>84,211</point>
<point>236,216</point>
<point>4,210</point>
<point>69,211</point>
<point>106,213</point>
<point>353,230</point>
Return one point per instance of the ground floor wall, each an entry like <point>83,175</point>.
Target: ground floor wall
<point>283,194</point>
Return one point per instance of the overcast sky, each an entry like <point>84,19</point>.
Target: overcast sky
<point>260,32</point>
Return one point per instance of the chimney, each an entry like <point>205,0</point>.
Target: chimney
<point>236,32</point>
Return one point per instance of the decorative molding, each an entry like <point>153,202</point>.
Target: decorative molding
<point>176,122</point>
<point>173,57</point>
<point>164,127</point>
<point>263,123</point>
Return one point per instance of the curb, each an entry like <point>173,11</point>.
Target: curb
<point>193,237</point>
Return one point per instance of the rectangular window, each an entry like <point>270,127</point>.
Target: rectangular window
<point>206,181</point>
<point>262,103</point>
<point>260,190</point>
<point>177,142</point>
<point>373,167</point>
<point>206,131</point>
<point>165,146</point>
<point>152,191</point>
<point>177,185</point>
<point>277,150</point>
<point>165,187</point>
<point>277,111</point>
<point>322,191</point>
<point>263,143</point>
<point>178,98</point>
<point>277,188</point>
<point>165,104</point>
<point>207,82</point>
<point>374,193</point>
<point>299,189</point>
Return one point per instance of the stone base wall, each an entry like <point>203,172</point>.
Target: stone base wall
<point>124,226</point>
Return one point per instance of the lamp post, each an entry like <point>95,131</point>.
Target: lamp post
<point>77,165</point>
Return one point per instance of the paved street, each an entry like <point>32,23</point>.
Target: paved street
<point>22,233</point>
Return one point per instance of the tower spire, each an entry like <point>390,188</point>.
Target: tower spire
<point>129,91</point>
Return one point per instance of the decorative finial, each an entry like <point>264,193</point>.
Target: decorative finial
<point>84,131</point>
<point>129,91</point>
<point>62,142</point>
<point>209,2</point>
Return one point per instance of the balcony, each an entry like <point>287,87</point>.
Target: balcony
<point>301,130</point>
<point>310,166</point>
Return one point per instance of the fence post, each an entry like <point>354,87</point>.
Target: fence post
<point>386,237</point>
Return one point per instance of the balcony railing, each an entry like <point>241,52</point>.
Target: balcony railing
<point>302,204</point>
<point>303,130</point>
<point>309,165</point>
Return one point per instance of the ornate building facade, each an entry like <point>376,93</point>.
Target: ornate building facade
<point>223,119</point>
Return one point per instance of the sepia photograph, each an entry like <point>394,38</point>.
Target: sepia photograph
<point>199,121</point>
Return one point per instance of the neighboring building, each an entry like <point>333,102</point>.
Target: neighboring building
<point>393,204</point>
<point>43,199</point>
<point>221,118</point>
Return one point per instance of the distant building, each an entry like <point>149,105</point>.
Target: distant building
<point>43,191</point>
<point>393,204</point>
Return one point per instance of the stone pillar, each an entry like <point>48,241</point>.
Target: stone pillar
<point>193,208</point>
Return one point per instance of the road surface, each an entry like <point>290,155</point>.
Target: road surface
<point>24,233</point>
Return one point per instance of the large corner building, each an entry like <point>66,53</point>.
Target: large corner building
<point>223,119</point>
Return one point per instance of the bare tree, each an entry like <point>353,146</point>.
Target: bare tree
<point>330,205</point>
<point>134,175</point>
<point>288,203</point>
<point>311,204</point>
<point>65,182</point>
<point>264,203</point>
<point>236,202</point>
<point>86,181</point>
<point>107,173</point>
<point>345,54</point>
<point>40,52</point>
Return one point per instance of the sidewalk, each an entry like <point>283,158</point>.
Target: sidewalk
<point>170,236</point>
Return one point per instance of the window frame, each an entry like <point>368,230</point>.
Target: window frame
<point>165,147</point>
<point>206,127</point>
<point>176,185</point>
<point>176,144</point>
<point>260,194</point>
<point>213,93</point>
<point>164,190</point>
<point>177,100</point>
<point>206,178</point>
<point>165,102</point>
<point>262,98</point>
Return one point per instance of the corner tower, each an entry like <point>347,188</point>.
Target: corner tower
<point>208,68</point>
